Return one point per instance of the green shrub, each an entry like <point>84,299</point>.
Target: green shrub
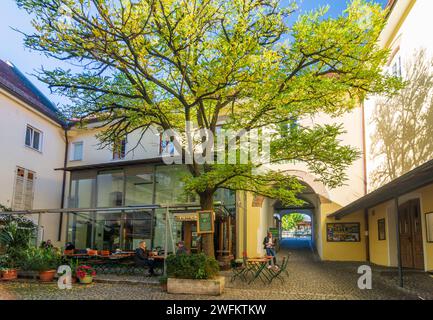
<point>38,259</point>
<point>16,235</point>
<point>195,266</point>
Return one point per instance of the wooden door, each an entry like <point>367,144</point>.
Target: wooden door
<point>411,242</point>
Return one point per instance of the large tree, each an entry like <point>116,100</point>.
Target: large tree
<point>254,63</point>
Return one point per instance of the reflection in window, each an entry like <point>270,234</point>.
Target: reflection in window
<point>139,186</point>
<point>137,227</point>
<point>110,189</point>
<point>170,187</point>
<point>107,230</point>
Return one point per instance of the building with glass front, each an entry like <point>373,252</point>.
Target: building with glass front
<point>140,192</point>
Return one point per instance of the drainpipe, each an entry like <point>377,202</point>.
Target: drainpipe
<point>245,225</point>
<point>65,163</point>
<point>400,267</point>
<point>367,235</point>
<point>364,147</point>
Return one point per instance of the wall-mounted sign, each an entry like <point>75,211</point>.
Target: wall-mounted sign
<point>343,232</point>
<point>185,217</point>
<point>205,222</point>
<point>429,226</point>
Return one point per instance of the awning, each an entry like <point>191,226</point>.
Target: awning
<point>114,164</point>
<point>413,180</point>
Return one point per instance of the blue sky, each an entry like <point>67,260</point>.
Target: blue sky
<point>14,51</point>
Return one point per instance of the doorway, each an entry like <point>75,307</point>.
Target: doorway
<point>411,241</point>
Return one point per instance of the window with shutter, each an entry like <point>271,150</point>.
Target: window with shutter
<point>24,190</point>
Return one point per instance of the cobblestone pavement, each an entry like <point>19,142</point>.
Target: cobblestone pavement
<point>309,279</point>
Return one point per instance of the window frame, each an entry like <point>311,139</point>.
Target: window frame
<point>122,154</point>
<point>74,144</point>
<point>32,137</point>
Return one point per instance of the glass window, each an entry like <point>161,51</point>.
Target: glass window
<point>33,138</point>
<point>170,187</point>
<point>139,186</point>
<point>137,227</point>
<point>110,189</point>
<point>77,151</point>
<point>119,150</point>
<point>82,190</point>
<point>107,231</point>
<point>80,230</point>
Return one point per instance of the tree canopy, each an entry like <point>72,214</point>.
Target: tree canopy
<point>242,64</point>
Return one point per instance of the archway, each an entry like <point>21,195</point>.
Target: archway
<point>296,229</point>
<point>298,225</point>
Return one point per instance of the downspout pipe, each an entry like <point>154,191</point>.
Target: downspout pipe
<point>65,163</point>
<point>400,266</point>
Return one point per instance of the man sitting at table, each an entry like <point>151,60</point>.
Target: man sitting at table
<point>143,257</point>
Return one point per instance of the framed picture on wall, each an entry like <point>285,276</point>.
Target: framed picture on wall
<point>381,229</point>
<point>429,226</point>
<point>343,232</point>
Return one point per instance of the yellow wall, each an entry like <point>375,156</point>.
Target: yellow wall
<point>253,225</point>
<point>427,206</point>
<point>378,249</point>
<point>342,251</point>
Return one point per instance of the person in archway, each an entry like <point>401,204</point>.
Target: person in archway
<point>269,246</point>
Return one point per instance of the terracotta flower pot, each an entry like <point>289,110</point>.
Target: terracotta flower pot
<point>47,276</point>
<point>10,274</point>
<point>73,280</point>
<point>86,280</point>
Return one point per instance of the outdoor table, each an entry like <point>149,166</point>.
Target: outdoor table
<point>258,267</point>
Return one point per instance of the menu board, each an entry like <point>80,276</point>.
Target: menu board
<point>343,232</point>
<point>205,222</point>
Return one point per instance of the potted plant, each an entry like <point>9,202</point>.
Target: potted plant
<point>163,282</point>
<point>45,261</point>
<point>16,234</point>
<point>8,270</point>
<point>85,274</point>
<point>194,274</point>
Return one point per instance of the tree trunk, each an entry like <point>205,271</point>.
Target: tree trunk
<point>206,203</point>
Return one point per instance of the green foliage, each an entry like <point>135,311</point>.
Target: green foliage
<point>289,222</point>
<point>164,63</point>
<point>38,259</point>
<point>196,266</point>
<point>16,235</point>
<point>163,279</point>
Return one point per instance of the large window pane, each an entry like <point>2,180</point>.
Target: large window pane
<point>82,187</point>
<point>139,186</point>
<point>137,227</point>
<point>110,189</point>
<point>175,230</point>
<point>80,230</point>
<point>169,185</point>
<point>107,230</point>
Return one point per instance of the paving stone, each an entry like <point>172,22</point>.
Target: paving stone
<point>309,279</point>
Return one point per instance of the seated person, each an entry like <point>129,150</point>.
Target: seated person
<point>46,244</point>
<point>181,248</point>
<point>69,246</point>
<point>143,257</point>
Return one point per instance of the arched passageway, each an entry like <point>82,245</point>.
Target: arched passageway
<point>296,228</point>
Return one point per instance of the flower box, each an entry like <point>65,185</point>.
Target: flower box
<point>210,287</point>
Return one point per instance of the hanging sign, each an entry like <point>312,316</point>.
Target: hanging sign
<point>205,222</point>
